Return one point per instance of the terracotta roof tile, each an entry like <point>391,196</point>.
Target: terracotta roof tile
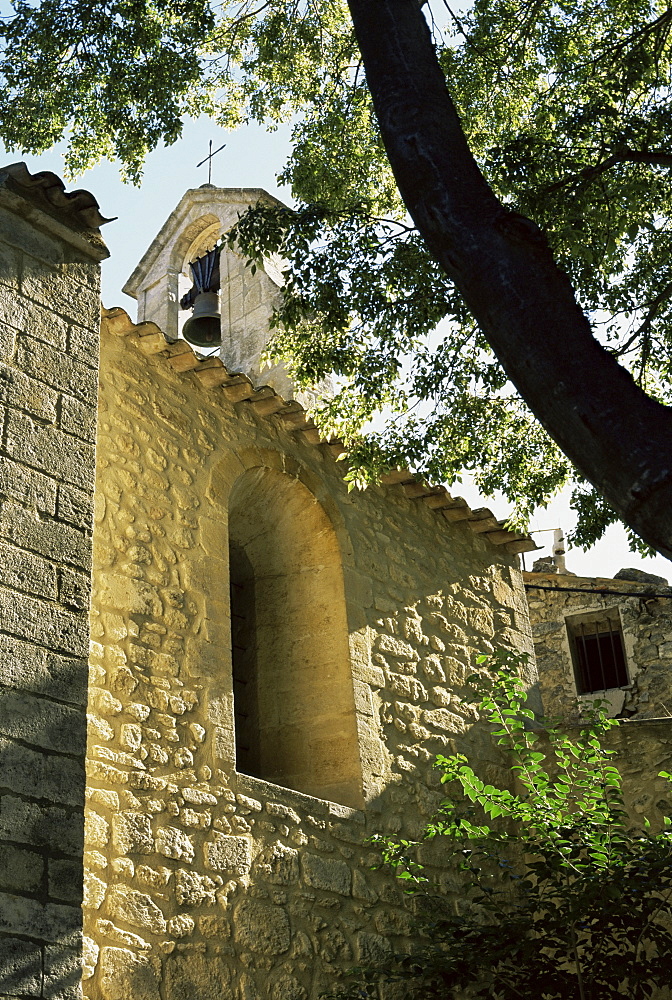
<point>212,373</point>
<point>50,188</point>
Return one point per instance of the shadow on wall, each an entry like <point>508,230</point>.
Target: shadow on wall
<point>41,834</point>
<point>48,358</point>
<point>26,964</point>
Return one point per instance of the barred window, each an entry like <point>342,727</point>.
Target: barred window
<point>598,654</point>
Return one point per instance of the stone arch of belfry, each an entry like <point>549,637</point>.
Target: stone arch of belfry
<point>199,237</point>
<point>206,228</point>
<point>293,694</point>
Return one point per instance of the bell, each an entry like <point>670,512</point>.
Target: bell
<point>204,327</point>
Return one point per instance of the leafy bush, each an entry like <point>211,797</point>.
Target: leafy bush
<point>561,898</point>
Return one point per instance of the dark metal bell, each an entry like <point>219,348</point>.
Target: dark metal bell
<point>204,327</point>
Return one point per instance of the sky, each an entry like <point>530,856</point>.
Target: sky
<point>252,158</point>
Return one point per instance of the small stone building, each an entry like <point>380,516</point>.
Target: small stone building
<point>602,638</point>
<point>275,661</point>
<point>610,639</point>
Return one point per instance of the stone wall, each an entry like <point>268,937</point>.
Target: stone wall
<point>646,622</point>
<point>202,881</point>
<point>643,749</point>
<point>49,320</point>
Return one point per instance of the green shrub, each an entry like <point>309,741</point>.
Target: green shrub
<point>561,898</point>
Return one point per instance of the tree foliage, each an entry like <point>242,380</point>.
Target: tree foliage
<point>565,107</point>
<point>565,111</point>
<point>560,898</point>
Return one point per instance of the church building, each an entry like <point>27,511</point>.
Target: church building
<point>269,663</point>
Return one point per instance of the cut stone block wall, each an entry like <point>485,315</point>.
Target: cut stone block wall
<point>49,326</point>
<point>204,882</point>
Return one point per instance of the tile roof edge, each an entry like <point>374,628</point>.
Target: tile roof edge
<point>51,189</point>
<point>238,387</point>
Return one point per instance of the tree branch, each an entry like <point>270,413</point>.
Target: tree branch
<point>653,157</point>
<point>645,325</point>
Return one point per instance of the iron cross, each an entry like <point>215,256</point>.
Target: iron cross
<point>208,158</point>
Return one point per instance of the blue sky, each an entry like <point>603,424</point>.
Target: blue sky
<point>252,158</point>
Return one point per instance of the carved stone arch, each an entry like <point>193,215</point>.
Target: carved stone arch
<point>322,490</point>
<point>294,703</point>
<point>199,236</point>
<point>226,469</point>
<point>190,236</point>
<point>196,239</point>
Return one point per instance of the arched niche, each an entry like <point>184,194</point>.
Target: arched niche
<point>200,237</point>
<point>293,693</point>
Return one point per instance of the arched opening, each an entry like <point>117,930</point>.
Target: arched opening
<point>244,659</point>
<point>204,240</point>
<point>293,693</point>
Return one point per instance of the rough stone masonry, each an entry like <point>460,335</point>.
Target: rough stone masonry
<point>204,881</point>
<point>50,251</point>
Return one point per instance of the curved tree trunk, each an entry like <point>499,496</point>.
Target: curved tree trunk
<point>618,437</point>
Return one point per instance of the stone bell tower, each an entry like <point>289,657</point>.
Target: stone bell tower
<point>246,300</point>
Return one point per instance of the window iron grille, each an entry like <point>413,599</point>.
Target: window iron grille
<point>598,653</point>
